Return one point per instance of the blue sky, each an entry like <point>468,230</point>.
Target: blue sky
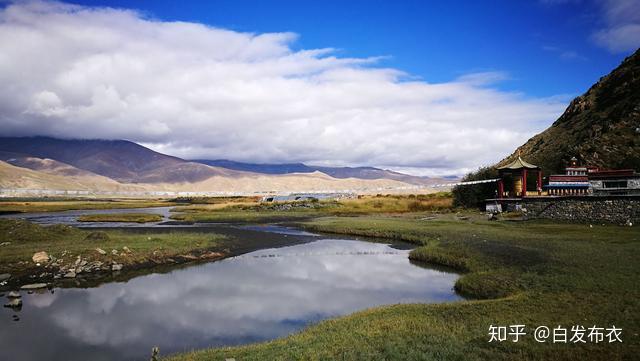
<point>425,87</point>
<point>544,47</point>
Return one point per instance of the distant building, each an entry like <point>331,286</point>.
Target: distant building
<point>306,197</point>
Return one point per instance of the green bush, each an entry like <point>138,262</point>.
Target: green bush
<point>473,196</point>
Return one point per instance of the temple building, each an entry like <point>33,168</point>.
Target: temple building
<point>582,193</point>
<point>578,180</point>
<point>515,176</point>
<point>614,182</point>
<point>574,182</point>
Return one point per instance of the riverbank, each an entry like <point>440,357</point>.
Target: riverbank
<point>86,255</point>
<point>532,273</point>
<point>121,217</point>
<point>23,205</point>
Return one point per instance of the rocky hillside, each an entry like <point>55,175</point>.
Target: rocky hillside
<point>601,127</point>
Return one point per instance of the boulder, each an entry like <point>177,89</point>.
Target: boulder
<point>14,294</point>
<point>4,276</point>
<point>40,257</point>
<point>101,251</point>
<point>34,286</point>
<point>126,249</point>
<point>14,303</point>
<point>116,267</point>
<point>70,274</point>
<point>114,252</point>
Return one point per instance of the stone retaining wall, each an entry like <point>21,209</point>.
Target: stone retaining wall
<point>586,209</point>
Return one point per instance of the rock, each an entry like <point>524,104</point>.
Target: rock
<point>33,286</point>
<point>70,274</point>
<point>114,252</point>
<point>78,260</point>
<point>40,257</point>
<point>4,276</point>
<point>101,251</point>
<point>14,303</point>
<point>211,255</point>
<point>5,243</point>
<point>126,249</point>
<point>83,263</point>
<point>14,294</point>
<point>116,267</point>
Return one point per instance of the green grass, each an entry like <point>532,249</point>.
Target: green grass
<point>50,205</point>
<point>121,217</point>
<point>532,273</point>
<point>66,243</point>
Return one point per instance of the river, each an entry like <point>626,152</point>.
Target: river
<point>253,297</point>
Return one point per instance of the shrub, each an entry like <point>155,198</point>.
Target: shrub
<point>473,196</point>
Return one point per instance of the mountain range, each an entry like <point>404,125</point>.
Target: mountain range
<point>336,172</point>
<point>120,165</point>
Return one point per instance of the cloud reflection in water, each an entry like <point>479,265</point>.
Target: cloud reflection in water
<point>250,298</point>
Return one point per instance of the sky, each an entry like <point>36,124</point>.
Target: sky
<point>425,87</point>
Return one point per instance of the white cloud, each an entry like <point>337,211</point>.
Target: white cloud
<point>621,32</point>
<point>195,91</point>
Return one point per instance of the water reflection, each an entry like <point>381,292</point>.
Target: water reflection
<point>259,296</point>
<point>70,218</point>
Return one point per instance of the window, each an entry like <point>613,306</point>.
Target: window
<point>615,184</point>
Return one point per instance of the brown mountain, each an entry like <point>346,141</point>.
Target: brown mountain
<point>128,162</point>
<point>121,160</point>
<point>601,127</point>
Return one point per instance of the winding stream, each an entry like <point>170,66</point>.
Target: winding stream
<point>254,297</point>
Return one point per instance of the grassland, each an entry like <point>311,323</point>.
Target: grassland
<point>252,211</point>
<point>121,217</point>
<point>65,244</point>
<point>535,273</point>
<point>532,273</point>
<point>22,205</point>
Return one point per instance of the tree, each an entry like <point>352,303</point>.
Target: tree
<point>473,195</point>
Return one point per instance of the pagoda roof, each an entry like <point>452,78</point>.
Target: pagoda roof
<point>518,163</point>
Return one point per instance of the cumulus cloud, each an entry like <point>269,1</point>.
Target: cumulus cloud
<point>193,90</point>
<point>621,32</point>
